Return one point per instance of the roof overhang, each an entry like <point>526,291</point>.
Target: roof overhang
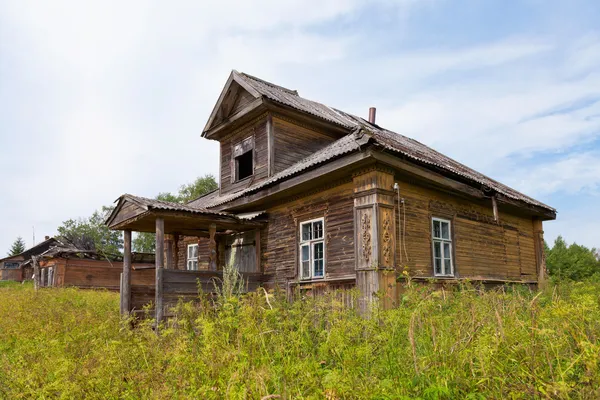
<point>140,215</point>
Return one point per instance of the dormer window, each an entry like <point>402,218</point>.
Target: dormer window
<point>243,159</point>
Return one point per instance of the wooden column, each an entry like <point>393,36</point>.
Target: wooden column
<point>375,239</point>
<point>169,251</point>
<point>257,248</point>
<point>159,263</point>
<point>126,277</point>
<point>176,251</point>
<point>212,248</point>
<point>36,273</point>
<point>540,256</point>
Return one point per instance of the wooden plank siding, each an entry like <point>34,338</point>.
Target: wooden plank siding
<point>279,239</point>
<point>293,142</point>
<point>258,129</point>
<point>482,247</point>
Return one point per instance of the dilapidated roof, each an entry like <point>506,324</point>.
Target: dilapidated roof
<point>291,98</point>
<point>391,141</point>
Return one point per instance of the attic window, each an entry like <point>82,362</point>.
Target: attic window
<point>243,159</point>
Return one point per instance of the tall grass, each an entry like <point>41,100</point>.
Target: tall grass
<point>465,343</point>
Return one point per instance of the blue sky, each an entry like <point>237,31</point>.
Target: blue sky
<point>101,98</point>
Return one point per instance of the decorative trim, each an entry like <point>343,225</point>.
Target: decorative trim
<point>366,237</point>
<point>374,191</point>
<point>387,239</point>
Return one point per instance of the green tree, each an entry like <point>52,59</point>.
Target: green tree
<point>145,242</point>
<point>17,247</point>
<point>574,262</point>
<point>92,234</point>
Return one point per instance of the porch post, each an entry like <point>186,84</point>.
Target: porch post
<point>36,273</point>
<point>159,263</point>
<point>212,247</point>
<point>126,278</point>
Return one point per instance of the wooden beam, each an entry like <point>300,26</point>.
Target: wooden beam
<point>270,145</point>
<point>257,247</point>
<point>126,277</point>
<point>169,251</point>
<point>159,263</point>
<point>235,118</point>
<point>495,209</point>
<point>212,248</point>
<point>36,273</point>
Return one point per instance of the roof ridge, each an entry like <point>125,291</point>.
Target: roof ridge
<point>291,91</point>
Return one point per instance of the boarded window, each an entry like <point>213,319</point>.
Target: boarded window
<point>442,247</point>
<point>312,249</point>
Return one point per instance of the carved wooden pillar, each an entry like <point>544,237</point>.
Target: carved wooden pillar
<point>540,256</point>
<point>374,225</point>
<point>212,248</point>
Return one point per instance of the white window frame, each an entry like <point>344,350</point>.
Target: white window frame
<point>311,253</point>
<point>191,259</point>
<point>443,241</point>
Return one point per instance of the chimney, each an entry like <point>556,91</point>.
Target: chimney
<point>46,237</point>
<point>372,112</point>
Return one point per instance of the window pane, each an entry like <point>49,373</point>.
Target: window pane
<point>305,269</point>
<point>318,267</point>
<point>447,250</point>
<point>447,267</point>
<point>189,252</point>
<point>437,252</point>
<point>306,232</point>
<point>195,251</point>
<point>445,230</point>
<point>305,253</point>
<point>317,230</point>
<point>436,229</point>
<point>318,251</point>
<point>438,266</point>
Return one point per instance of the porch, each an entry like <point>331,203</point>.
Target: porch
<point>221,235</point>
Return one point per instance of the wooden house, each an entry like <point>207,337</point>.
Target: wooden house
<point>18,268</point>
<point>65,265</point>
<point>312,198</point>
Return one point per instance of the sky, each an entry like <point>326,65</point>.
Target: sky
<point>101,98</point>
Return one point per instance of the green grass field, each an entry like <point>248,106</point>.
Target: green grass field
<point>463,344</point>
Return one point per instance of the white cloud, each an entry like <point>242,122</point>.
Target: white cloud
<point>111,97</point>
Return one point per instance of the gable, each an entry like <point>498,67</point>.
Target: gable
<point>236,100</point>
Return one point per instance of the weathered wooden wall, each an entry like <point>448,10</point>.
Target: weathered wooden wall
<point>293,142</point>
<point>258,129</point>
<point>279,239</point>
<point>85,273</point>
<point>482,247</point>
<point>203,251</point>
<point>11,274</point>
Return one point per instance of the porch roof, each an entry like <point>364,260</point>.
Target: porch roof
<point>139,214</point>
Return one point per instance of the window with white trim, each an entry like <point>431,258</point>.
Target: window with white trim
<point>192,257</point>
<point>312,249</point>
<point>442,247</point>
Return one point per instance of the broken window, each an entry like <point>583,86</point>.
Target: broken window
<point>243,156</point>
